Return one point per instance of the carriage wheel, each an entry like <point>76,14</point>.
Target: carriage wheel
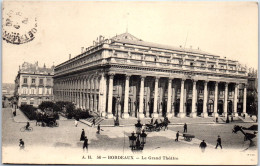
<point>51,123</point>
<point>22,129</point>
<point>30,129</point>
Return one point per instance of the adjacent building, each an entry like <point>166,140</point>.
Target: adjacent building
<point>34,84</point>
<point>128,77</point>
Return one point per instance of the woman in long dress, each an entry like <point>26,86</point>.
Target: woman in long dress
<point>82,137</point>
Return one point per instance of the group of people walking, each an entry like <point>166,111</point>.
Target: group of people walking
<point>203,144</point>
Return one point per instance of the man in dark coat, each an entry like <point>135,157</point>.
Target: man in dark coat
<point>21,144</point>
<point>82,137</point>
<point>218,142</point>
<point>98,129</point>
<point>185,128</point>
<point>203,146</point>
<point>177,136</point>
<point>94,122</point>
<point>85,144</point>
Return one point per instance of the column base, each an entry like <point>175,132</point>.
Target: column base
<point>181,115</point>
<point>204,115</point>
<point>155,115</point>
<point>193,115</point>
<point>214,114</point>
<point>235,114</point>
<point>141,115</point>
<point>244,114</point>
<point>125,115</point>
<point>103,114</point>
<point>169,115</point>
<point>110,116</point>
<point>225,114</point>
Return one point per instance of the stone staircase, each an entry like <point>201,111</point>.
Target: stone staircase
<point>247,119</point>
<point>89,121</point>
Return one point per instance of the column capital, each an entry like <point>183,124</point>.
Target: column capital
<point>142,76</point>
<point>194,80</point>
<point>226,84</point>
<point>170,80</point>
<point>111,75</point>
<point>157,78</point>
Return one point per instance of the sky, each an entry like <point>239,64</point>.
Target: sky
<point>227,29</point>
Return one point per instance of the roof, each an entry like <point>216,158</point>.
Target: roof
<point>130,39</point>
<point>34,68</point>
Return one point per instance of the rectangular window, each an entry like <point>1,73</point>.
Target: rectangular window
<point>32,91</point>
<point>41,81</point>
<point>25,80</point>
<point>40,91</point>
<point>24,90</point>
<point>31,102</point>
<point>33,81</point>
<point>191,63</point>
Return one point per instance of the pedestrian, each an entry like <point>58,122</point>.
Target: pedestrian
<point>216,119</point>
<point>185,128</point>
<point>85,144</point>
<point>98,129</point>
<point>177,136</point>
<point>218,142</point>
<point>232,118</point>
<point>93,122</point>
<point>151,121</point>
<point>21,144</point>
<point>76,123</point>
<point>82,137</point>
<point>203,145</point>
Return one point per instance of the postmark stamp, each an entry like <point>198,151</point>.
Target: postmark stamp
<point>18,27</point>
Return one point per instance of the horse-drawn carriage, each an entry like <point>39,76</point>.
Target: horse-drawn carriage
<point>157,126</point>
<point>47,118</point>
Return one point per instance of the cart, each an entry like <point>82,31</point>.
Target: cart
<point>188,137</point>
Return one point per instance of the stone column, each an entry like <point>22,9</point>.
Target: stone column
<point>141,99</point>
<point>169,100</point>
<point>155,114</point>
<point>215,113</point>
<point>110,96</point>
<point>87,94</point>
<point>84,94</point>
<point>244,101</point>
<point>194,100</point>
<point>235,101</point>
<point>95,95</point>
<point>225,100</point>
<point>181,113</point>
<point>125,113</point>
<point>103,94</point>
<point>204,114</point>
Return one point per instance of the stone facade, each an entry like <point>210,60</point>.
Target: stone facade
<point>34,84</point>
<point>128,77</point>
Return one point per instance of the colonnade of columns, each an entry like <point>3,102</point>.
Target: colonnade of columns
<point>170,112</point>
<point>91,93</point>
<point>86,93</point>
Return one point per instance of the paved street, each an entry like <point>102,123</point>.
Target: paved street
<point>67,136</point>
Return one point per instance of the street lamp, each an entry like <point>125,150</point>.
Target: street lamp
<point>132,140</point>
<point>137,142</point>
<point>143,137</point>
<point>138,127</point>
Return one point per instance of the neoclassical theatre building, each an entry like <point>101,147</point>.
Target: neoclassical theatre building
<point>127,77</point>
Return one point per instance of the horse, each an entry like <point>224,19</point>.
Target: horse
<point>248,136</point>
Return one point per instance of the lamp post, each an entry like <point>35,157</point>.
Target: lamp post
<point>138,139</point>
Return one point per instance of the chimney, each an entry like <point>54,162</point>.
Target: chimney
<point>82,49</point>
<point>69,56</point>
<point>94,43</point>
<point>180,46</point>
<point>198,48</point>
